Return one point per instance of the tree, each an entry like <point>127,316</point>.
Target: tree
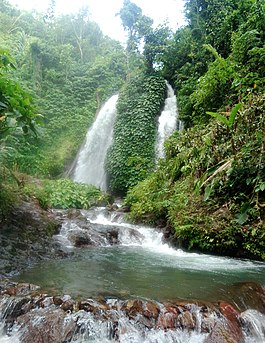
<point>135,23</point>
<point>17,113</point>
<point>155,45</point>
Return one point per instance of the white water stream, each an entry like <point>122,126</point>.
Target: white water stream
<point>89,168</point>
<point>168,121</point>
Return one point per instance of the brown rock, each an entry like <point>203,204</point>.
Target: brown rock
<point>57,301</point>
<point>167,321</point>
<point>151,310</point>
<point>133,307</point>
<point>249,295</point>
<point>68,305</point>
<point>221,334</point>
<point>186,320</point>
<point>232,319</point>
<point>92,306</point>
<point>45,325</point>
<point>12,291</point>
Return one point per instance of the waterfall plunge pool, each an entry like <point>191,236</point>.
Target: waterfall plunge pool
<point>147,269</point>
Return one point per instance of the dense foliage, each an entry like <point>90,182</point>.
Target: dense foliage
<point>70,69</point>
<point>217,58</point>
<point>132,155</point>
<point>65,193</point>
<point>210,188</point>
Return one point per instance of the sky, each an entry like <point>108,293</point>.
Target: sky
<point>103,12</point>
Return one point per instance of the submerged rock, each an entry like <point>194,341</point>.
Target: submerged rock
<point>249,295</point>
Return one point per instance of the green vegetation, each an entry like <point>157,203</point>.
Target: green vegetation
<point>64,68</point>
<point>132,155</point>
<point>210,188</point>
<point>65,193</point>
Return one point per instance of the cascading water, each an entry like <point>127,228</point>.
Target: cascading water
<point>111,259</point>
<point>136,264</point>
<point>168,121</point>
<point>89,168</point>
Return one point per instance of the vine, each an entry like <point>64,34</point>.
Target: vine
<point>132,154</point>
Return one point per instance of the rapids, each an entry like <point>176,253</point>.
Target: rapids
<point>139,264</point>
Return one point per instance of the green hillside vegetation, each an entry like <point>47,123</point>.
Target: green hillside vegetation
<point>210,189</point>
<point>57,71</point>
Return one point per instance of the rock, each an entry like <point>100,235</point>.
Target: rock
<point>186,320</point>
<point>226,329</point>
<point>26,236</point>
<point>220,334</point>
<point>92,306</point>
<point>57,300</point>
<point>68,305</point>
<point>133,307</point>
<point>151,310</point>
<point>249,295</point>
<point>254,323</point>
<point>45,325</point>
<point>47,302</point>
<point>167,320</point>
<point>232,318</point>
<point>81,239</point>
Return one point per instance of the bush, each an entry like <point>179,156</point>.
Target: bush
<point>65,193</point>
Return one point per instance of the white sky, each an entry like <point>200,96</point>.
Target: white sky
<point>103,12</point>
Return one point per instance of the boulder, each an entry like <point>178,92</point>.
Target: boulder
<point>45,325</point>
<point>26,236</point>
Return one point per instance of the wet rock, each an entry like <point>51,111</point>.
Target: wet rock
<point>49,326</point>
<point>68,305</point>
<point>92,306</point>
<point>187,321</point>
<point>151,310</point>
<point>167,320</point>
<point>16,307</point>
<point>81,239</point>
<point>47,302</point>
<point>26,236</point>
<point>232,318</point>
<point>57,300</point>
<point>133,307</point>
<point>220,334</point>
<point>207,323</point>
<point>254,324</point>
<point>249,295</point>
<point>227,328</point>
<point>74,213</point>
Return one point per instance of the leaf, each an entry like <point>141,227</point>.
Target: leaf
<point>2,105</point>
<point>241,218</point>
<point>207,193</point>
<point>220,117</point>
<point>233,114</point>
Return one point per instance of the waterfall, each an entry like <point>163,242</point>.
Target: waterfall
<point>89,168</point>
<point>168,121</point>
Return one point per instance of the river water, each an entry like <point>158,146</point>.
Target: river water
<point>142,265</point>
